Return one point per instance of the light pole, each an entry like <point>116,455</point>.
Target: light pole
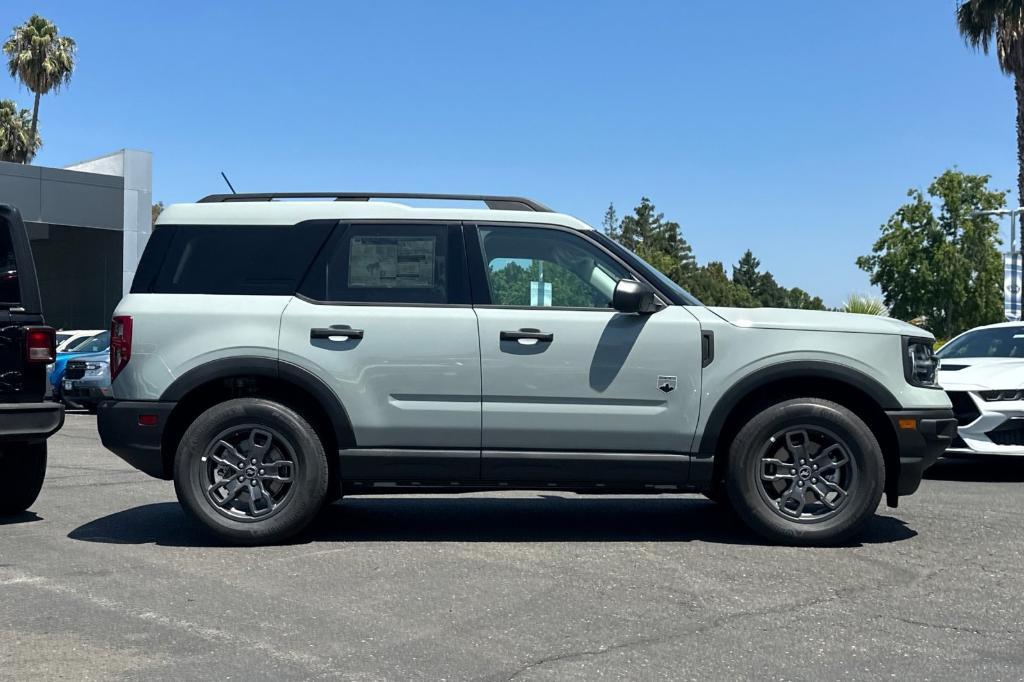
<point>1014,289</point>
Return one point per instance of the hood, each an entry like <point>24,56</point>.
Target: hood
<point>817,320</point>
<point>981,374</point>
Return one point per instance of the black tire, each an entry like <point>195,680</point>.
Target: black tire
<point>821,432</point>
<point>24,468</point>
<point>272,508</point>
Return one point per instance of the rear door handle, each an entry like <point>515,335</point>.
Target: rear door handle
<point>328,332</point>
<point>536,334</point>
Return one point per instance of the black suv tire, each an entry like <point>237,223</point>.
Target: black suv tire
<point>774,465</point>
<point>251,470</point>
<point>24,468</point>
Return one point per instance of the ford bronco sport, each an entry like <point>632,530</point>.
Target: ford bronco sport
<point>274,355</point>
<point>26,347</point>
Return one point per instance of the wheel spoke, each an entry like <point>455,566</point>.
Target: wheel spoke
<point>225,453</point>
<point>231,486</point>
<point>259,502</point>
<point>276,471</point>
<point>776,470</point>
<point>793,500</point>
<point>796,443</point>
<point>258,444</point>
<point>830,458</point>
<point>822,490</point>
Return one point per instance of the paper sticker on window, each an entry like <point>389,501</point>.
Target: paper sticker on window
<point>391,262</point>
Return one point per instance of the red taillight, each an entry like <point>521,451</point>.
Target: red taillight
<point>40,344</point>
<point>147,420</point>
<point>120,343</point>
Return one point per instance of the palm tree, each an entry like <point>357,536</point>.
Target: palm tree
<point>15,142</point>
<point>40,58</point>
<point>981,21</point>
<point>864,305</point>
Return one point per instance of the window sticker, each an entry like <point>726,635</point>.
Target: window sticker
<point>391,262</point>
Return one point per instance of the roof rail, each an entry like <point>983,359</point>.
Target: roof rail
<point>495,203</point>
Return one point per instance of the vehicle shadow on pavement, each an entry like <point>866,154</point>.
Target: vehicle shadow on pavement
<point>477,519</point>
<point>23,517</point>
<point>992,469</point>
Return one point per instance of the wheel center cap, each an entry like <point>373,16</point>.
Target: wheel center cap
<point>250,472</point>
<point>805,472</point>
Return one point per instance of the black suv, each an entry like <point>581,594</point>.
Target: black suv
<point>26,347</point>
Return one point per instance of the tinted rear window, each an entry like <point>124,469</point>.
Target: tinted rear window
<point>264,260</point>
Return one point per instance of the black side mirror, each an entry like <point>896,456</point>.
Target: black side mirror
<point>631,296</point>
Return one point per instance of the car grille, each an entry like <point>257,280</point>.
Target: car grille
<point>964,408</point>
<point>75,369</point>
<point>1010,432</point>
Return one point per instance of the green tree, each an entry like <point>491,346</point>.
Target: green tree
<point>15,143</point>
<point>943,266</point>
<point>41,59</point>
<point>747,273</point>
<point>656,240</point>
<point>157,209</point>
<point>610,222</point>
<point>712,286</point>
<point>510,285</point>
<point>765,291</point>
<point>982,22</point>
<point>798,298</point>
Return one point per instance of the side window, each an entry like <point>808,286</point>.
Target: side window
<point>10,291</point>
<point>539,267</point>
<point>390,263</point>
<point>264,260</point>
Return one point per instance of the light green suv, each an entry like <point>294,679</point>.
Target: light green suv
<point>276,355</point>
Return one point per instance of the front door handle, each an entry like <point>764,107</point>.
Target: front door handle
<point>328,332</point>
<point>536,334</point>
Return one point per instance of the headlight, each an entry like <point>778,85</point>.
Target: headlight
<point>95,367</point>
<point>993,396</point>
<point>919,364</point>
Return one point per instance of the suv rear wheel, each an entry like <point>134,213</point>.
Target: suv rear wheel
<point>806,472</point>
<point>24,468</point>
<point>251,470</point>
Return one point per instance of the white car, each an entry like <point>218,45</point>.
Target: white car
<point>66,338</point>
<point>982,370</point>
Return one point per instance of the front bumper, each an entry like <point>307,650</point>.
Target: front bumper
<point>123,434</point>
<point>30,421</point>
<point>86,392</point>
<point>921,437</point>
<point>987,427</point>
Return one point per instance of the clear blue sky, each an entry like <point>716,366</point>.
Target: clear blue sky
<point>791,128</point>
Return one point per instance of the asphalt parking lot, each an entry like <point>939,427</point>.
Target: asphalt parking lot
<point>106,579</point>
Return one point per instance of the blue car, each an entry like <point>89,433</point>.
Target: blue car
<point>86,381</point>
<point>94,344</point>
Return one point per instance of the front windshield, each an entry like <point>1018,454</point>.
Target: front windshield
<point>679,295</point>
<point>93,344</point>
<point>997,342</point>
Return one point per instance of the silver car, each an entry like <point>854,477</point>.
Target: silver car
<point>275,355</point>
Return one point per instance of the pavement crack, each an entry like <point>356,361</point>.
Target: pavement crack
<point>943,626</point>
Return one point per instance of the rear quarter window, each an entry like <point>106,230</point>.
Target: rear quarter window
<point>10,291</point>
<point>267,260</point>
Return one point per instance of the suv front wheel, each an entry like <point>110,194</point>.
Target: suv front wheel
<point>806,471</point>
<point>251,470</point>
